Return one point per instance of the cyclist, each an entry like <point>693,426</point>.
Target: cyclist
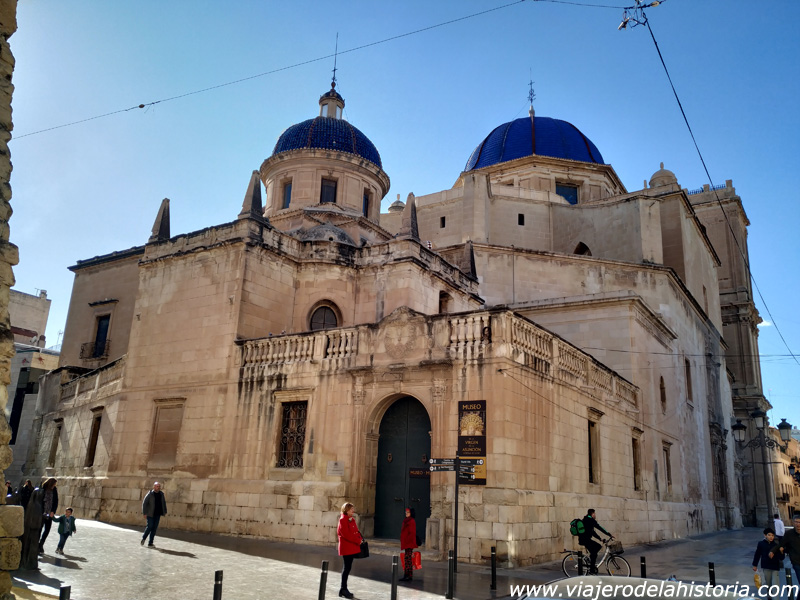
<point>585,539</point>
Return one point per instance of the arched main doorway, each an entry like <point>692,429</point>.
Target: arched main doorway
<point>403,478</point>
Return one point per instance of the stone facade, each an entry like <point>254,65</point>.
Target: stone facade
<point>722,214</point>
<point>257,368</point>
<point>28,316</point>
<point>10,516</point>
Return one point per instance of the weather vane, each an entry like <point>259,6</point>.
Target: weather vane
<point>531,95</point>
<point>335,55</point>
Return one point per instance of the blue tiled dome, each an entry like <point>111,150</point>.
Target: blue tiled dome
<point>553,137</point>
<point>328,134</point>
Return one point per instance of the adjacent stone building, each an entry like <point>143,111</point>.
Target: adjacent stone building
<point>537,316</point>
<point>11,517</point>
<point>28,314</point>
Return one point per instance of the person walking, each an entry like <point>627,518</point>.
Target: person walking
<point>791,544</point>
<point>771,558</point>
<point>408,541</point>
<point>66,527</point>
<point>349,547</point>
<point>585,539</point>
<point>779,527</point>
<point>34,514</point>
<point>24,493</point>
<point>154,506</point>
<point>49,508</point>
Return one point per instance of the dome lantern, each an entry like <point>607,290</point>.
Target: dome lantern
<point>331,103</point>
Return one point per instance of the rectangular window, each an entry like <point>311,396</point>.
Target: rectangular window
<point>520,219</point>
<point>441,222</point>
<point>101,336</point>
<point>328,191</point>
<point>166,432</point>
<point>593,457</point>
<point>637,471</point>
<point>688,370</point>
<point>293,435</point>
<point>365,204</point>
<point>568,192</point>
<point>91,450</point>
<point>51,459</point>
<point>287,193</point>
<point>667,465</point>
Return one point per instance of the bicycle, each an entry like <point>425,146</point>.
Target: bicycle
<point>614,563</point>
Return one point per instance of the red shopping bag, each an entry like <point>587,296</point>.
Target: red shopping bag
<point>416,560</point>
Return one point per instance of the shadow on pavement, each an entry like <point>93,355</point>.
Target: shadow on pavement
<point>176,553</point>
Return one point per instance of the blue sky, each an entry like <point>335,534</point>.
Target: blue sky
<point>425,100</point>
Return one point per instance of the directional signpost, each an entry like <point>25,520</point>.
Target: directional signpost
<point>465,468</point>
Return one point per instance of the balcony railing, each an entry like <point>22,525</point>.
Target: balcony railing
<point>472,337</point>
<point>95,350</point>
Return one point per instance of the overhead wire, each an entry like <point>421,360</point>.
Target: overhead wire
<point>674,413</point>
<point>429,28</point>
<point>278,70</point>
<point>712,187</point>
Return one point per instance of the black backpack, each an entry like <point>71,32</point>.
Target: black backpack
<point>576,527</point>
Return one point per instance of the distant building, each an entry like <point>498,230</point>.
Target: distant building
<point>537,316</point>
<point>28,315</point>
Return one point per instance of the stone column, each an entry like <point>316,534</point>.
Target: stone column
<point>11,517</point>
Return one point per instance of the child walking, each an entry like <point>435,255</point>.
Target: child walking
<point>66,527</point>
<point>771,559</point>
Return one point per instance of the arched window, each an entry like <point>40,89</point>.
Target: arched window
<point>663,390</point>
<point>323,318</point>
<point>445,303</point>
<point>582,249</point>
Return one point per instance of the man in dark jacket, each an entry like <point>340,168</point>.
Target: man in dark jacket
<point>791,544</point>
<point>585,539</point>
<point>153,506</point>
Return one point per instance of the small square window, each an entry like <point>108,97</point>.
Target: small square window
<point>520,219</point>
<point>441,222</point>
<point>328,191</point>
<point>568,192</point>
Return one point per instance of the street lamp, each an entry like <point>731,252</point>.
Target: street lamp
<point>759,418</point>
<point>763,441</point>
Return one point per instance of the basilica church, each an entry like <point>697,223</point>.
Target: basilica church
<point>566,337</point>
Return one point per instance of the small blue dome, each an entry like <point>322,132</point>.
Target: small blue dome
<point>328,134</point>
<point>555,138</point>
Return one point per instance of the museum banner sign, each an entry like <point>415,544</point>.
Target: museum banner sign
<point>472,442</point>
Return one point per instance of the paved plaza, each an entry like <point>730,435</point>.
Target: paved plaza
<point>106,562</point>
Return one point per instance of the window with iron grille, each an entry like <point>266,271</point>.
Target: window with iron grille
<point>293,435</point>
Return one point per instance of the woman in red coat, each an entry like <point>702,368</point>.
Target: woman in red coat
<point>349,544</point>
<point>408,541</point>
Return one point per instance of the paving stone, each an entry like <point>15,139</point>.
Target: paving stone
<point>106,561</point>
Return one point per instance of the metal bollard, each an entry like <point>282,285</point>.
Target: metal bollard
<point>217,585</point>
<point>395,568</point>
<point>323,580</point>
<point>64,592</point>
<point>712,577</point>
<point>643,567</point>
<point>493,585</point>
<point>580,562</point>
<point>451,576</point>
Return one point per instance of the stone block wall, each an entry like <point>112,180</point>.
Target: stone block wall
<point>10,516</point>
